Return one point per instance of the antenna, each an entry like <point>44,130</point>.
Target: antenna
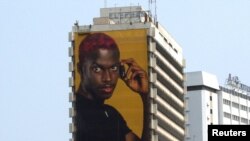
<point>150,3</point>
<point>155,12</point>
<point>149,7</point>
<point>105,3</point>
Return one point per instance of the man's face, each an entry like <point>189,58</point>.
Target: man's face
<point>100,73</point>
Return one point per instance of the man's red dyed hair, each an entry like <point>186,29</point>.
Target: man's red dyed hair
<point>94,42</point>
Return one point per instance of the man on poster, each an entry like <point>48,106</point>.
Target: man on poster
<point>100,67</point>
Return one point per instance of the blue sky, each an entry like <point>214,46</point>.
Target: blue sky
<point>214,35</point>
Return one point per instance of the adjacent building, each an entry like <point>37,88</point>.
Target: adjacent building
<point>209,103</point>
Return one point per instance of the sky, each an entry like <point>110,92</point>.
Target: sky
<point>34,88</point>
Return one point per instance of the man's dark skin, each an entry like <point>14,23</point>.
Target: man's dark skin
<point>100,73</point>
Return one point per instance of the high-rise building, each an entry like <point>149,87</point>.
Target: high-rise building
<point>208,103</point>
<point>137,33</point>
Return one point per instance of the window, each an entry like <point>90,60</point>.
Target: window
<point>137,14</point>
<point>242,107</point>
<point>227,115</point>
<point>236,118</point>
<point>227,102</point>
<point>122,15</point>
<point>244,120</point>
<point>236,105</point>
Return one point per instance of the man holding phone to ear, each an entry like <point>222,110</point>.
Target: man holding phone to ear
<point>100,67</point>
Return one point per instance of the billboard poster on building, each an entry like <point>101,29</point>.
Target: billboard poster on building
<point>110,84</point>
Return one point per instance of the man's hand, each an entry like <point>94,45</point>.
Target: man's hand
<point>135,77</point>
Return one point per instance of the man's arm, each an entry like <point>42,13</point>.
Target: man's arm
<point>137,80</point>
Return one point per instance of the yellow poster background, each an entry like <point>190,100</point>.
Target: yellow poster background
<point>132,44</point>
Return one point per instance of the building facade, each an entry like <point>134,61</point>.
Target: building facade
<point>165,64</point>
<point>208,103</point>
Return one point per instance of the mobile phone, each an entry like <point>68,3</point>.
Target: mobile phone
<point>122,71</point>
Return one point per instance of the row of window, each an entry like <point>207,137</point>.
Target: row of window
<point>233,92</point>
<point>236,118</point>
<point>236,105</point>
<point>136,14</point>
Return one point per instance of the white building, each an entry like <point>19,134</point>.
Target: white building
<point>165,67</point>
<point>208,103</point>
